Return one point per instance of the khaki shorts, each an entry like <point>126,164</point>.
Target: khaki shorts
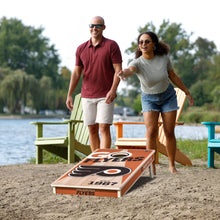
<point>95,110</point>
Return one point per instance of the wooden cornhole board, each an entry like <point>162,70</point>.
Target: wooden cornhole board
<point>105,172</point>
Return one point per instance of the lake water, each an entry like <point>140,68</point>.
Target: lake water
<point>17,137</point>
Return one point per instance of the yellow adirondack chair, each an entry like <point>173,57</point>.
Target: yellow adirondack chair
<point>140,143</point>
<point>71,146</point>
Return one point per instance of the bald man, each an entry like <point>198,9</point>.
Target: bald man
<point>99,60</point>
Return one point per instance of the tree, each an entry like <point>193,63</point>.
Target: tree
<point>201,92</point>
<point>14,89</point>
<point>24,47</point>
<point>184,69</point>
<point>62,87</point>
<point>214,69</point>
<point>204,49</point>
<point>46,95</point>
<point>216,97</point>
<point>137,104</point>
<point>204,52</point>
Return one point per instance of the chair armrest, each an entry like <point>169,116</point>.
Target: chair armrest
<point>39,126</point>
<point>141,123</point>
<point>119,126</point>
<point>127,122</point>
<point>211,128</point>
<point>75,121</point>
<point>47,123</point>
<point>210,123</point>
<point>180,123</point>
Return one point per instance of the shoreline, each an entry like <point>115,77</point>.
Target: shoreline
<point>31,116</point>
<point>130,118</point>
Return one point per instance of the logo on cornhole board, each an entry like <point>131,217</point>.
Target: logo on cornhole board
<point>105,172</point>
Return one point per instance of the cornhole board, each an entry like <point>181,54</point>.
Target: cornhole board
<point>105,172</point>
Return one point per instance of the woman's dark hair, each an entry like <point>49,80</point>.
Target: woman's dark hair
<point>160,47</point>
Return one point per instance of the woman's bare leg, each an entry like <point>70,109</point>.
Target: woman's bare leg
<point>151,122</point>
<point>169,119</point>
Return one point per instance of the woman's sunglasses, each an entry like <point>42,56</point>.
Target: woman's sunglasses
<point>145,41</point>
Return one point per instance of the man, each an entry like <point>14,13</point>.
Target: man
<point>100,60</point>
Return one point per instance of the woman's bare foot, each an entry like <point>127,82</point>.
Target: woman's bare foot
<point>173,170</point>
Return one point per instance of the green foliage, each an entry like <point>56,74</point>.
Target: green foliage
<point>199,114</point>
<point>214,69</point>
<point>201,92</point>
<point>24,47</point>
<point>194,149</point>
<point>29,69</point>
<point>137,104</point>
<point>204,49</point>
<point>49,158</point>
<point>14,89</point>
<point>47,95</point>
<point>216,96</point>
<point>120,101</point>
<point>176,37</point>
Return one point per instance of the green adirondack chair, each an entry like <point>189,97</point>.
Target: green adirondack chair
<point>72,146</point>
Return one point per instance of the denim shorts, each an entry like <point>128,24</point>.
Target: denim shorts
<point>162,102</point>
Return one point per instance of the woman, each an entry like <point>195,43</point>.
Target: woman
<point>154,70</point>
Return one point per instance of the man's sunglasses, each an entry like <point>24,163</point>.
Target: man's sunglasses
<point>96,25</point>
<point>145,41</point>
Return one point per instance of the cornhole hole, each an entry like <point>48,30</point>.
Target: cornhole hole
<point>105,172</point>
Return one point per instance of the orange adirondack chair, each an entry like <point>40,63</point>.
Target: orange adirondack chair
<point>140,143</point>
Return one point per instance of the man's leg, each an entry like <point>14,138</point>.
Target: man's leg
<point>89,116</point>
<point>94,140</point>
<point>105,118</point>
<point>105,136</point>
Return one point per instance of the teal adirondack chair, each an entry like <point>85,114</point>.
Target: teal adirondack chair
<point>213,143</point>
<point>72,146</point>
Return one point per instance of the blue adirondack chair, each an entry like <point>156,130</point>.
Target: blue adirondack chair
<point>213,143</point>
<point>70,147</point>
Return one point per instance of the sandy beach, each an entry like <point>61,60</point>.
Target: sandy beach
<point>25,193</point>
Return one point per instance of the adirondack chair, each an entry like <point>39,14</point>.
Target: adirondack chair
<point>70,147</point>
<point>140,143</point>
<point>213,143</point>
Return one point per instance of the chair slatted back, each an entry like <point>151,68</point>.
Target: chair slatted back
<point>81,131</point>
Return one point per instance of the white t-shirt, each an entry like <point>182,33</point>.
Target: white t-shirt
<point>153,74</point>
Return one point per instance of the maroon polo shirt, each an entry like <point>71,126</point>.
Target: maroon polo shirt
<point>97,62</point>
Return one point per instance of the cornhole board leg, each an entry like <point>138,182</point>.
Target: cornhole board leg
<point>151,171</point>
<point>105,172</point>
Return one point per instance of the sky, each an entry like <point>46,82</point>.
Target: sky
<point>65,22</point>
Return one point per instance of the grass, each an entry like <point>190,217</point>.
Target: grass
<point>49,158</point>
<point>194,149</point>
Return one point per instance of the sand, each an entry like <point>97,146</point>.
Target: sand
<point>25,193</point>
